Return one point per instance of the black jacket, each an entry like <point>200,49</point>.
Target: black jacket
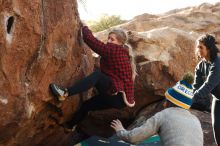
<point>207,79</point>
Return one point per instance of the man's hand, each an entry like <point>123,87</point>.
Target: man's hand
<point>117,125</point>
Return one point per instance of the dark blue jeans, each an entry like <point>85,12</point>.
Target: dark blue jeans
<point>97,79</point>
<point>98,102</point>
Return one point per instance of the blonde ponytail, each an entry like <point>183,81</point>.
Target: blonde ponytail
<point>132,60</point>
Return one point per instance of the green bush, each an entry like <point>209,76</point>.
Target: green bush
<point>105,22</point>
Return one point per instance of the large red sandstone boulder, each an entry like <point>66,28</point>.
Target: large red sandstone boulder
<point>163,56</point>
<point>203,18</point>
<point>39,44</point>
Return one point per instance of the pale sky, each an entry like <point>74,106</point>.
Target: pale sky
<point>127,9</point>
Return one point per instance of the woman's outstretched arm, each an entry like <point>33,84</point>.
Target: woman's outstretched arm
<point>96,45</point>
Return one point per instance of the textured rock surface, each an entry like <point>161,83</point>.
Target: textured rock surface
<point>39,44</point>
<point>163,56</point>
<point>202,18</point>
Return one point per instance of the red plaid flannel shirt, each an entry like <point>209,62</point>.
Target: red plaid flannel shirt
<point>115,63</point>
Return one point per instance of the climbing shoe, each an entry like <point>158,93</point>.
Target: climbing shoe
<point>59,93</point>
